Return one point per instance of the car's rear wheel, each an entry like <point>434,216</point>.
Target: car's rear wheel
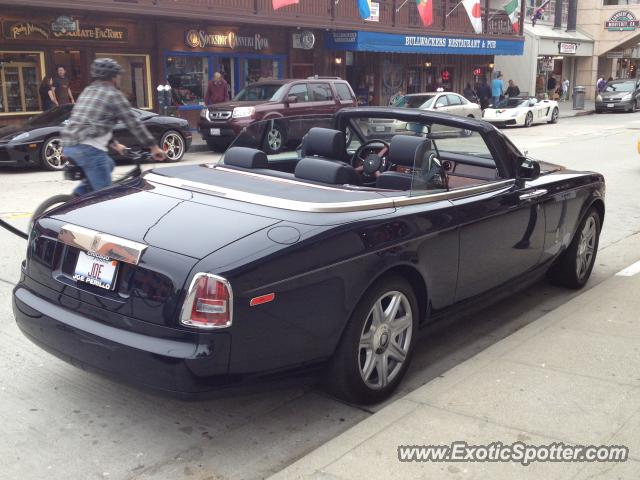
<point>554,115</point>
<point>173,145</point>
<point>274,139</point>
<point>528,120</point>
<point>376,347</point>
<point>573,267</point>
<point>51,154</point>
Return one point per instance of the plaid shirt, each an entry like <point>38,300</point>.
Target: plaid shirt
<point>96,112</point>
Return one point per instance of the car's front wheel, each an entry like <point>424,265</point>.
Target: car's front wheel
<point>173,145</point>
<point>375,350</point>
<point>573,267</point>
<point>51,154</point>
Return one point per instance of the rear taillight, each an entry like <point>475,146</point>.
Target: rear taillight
<point>209,303</point>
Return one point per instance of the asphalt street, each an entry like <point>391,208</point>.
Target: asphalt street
<point>59,422</point>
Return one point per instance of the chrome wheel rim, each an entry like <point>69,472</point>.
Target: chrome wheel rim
<point>528,120</point>
<point>385,340</point>
<point>173,146</point>
<point>554,115</point>
<point>274,139</point>
<point>586,247</point>
<point>53,153</point>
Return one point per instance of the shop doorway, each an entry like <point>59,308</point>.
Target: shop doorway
<point>227,68</point>
<point>72,61</point>
<point>302,70</point>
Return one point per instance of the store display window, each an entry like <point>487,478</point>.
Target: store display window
<point>20,77</point>
<point>188,76</point>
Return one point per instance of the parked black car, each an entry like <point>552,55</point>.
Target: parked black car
<point>328,256</point>
<point>37,141</point>
<point>619,95</point>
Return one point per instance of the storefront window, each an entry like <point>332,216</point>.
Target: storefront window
<point>20,77</point>
<point>188,77</point>
<point>259,69</point>
<point>136,77</point>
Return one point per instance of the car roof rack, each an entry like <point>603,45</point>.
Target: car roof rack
<point>320,77</point>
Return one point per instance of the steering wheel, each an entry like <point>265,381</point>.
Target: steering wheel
<point>371,159</point>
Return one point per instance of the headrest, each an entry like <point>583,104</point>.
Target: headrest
<point>246,158</point>
<point>407,150</point>
<point>324,142</point>
<point>326,171</point>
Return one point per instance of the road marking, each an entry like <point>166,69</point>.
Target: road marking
<point>630,271</point>
<point>13,216</point>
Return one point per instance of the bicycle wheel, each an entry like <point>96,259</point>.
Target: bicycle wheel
<point>47,205</point>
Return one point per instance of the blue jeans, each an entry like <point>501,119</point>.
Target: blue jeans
<point>495,101</point>
<point>96,164</point>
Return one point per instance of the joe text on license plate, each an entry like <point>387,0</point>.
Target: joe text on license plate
<point>95,270</point>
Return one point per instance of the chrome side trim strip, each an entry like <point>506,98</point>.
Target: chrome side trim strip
<point>329,207</point>
<point>116,248</point>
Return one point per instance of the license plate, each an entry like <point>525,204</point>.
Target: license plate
<point>610,105</point>
<point>96,270</point>
<point>380,128</point>
<point>215,131</point>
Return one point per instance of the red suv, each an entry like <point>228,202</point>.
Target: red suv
<point>219,124</point>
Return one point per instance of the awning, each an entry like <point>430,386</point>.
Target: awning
<point>390,42</point>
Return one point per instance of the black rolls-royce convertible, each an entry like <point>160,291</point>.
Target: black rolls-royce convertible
<point>37,141</point>
<point>333,255</point>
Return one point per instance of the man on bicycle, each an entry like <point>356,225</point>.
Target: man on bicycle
<point>89,133</point>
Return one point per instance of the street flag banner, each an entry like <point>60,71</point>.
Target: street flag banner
<point>474,11</point>
<point>425,9</point>
<point>284,3</point>
<point>513,9</point>
<point>365,8</point>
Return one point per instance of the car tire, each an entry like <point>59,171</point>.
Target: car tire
<point>528,120</point>
<point>573,268</point>
<point>371,360</point>
<point>48,204</point>
<point>554,115</point>
<point>174,146</point>
<point>274,139</point>
<point>217,146</point>
<point>51,154</point>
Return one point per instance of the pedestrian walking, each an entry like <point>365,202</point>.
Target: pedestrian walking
<point>600,84</point>
<point>552,84</point>
<point>497,89</point>
<point>512,90</point>
<point>217,90</point>
<point>47,93</point>
<point>484,92</point>
<point>61,85</point>
<point>565,90</point>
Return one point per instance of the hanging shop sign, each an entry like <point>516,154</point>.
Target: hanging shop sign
<point>203,39</point>
<point>546,65</point>
<point>374,8</point>
<point>63,28</point>
<point>304,40</point>
<point>622,21</point>
<point>567,48</point>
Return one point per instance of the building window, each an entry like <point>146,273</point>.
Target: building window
<point>136,79</point>
<point>20,77</point>
<point>255,69</point>
<point>188,77</point>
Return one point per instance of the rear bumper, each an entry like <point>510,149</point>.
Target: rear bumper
<point>180,367</point>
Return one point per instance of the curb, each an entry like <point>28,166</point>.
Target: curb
<point>580,113</point>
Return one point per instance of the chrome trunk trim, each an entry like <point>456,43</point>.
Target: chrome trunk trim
<point>103,244</point>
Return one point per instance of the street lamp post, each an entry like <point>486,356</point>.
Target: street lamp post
<point>164,97</point>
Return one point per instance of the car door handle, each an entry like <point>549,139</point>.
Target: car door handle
<point>533,194</point>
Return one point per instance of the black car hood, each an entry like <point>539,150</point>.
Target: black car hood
<point>177,225</point>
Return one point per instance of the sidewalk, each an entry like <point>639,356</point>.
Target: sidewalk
<point>566,109</point>
<point>572,376</point>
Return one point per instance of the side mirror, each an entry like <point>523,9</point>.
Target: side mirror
<point>292,99</point>
<point>528,169</point>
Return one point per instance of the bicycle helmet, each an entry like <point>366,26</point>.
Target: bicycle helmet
<point>105,69</point>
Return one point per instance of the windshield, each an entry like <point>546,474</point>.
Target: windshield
<point>264,92</point>
<point>513,103</point>
<point>620,87</point>
<point>413,101</point>
<point>55,116</point>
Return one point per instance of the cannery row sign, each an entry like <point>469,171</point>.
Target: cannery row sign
<point>622,21</point>
<point>63,28</point>
<point>203,39</point>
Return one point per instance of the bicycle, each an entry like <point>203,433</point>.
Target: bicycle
<point>73,172</point>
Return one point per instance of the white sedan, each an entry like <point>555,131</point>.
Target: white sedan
<point>523,112</point>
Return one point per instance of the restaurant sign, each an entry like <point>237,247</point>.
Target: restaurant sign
<point>622,21</point>
<point>203,39</point>
<point>63,28</point>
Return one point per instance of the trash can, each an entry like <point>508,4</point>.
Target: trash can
<point>578,98</point>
